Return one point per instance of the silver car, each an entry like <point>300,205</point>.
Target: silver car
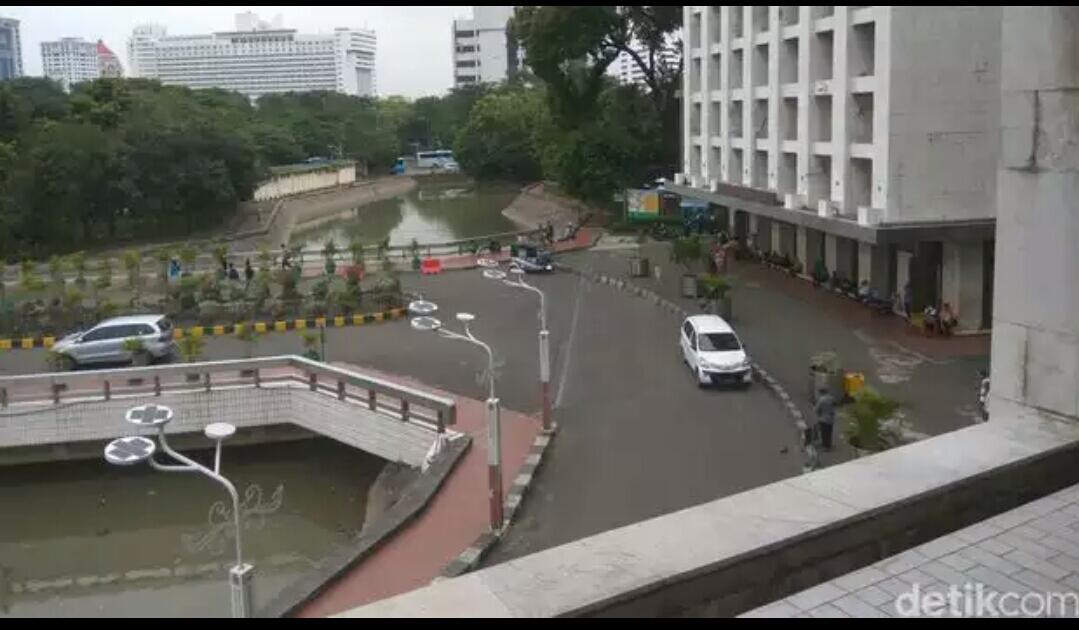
<point>104,343</point>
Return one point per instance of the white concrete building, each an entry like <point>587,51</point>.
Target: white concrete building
<point>10,49</point>
<point>258,58</point>
<point>861,136</point>
<point>626,70</point>
<point>481,51</point>
<point>71,60</point>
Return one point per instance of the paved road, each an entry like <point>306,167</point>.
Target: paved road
<point>637,438</point>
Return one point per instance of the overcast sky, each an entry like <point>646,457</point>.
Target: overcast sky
<point>414,45</point>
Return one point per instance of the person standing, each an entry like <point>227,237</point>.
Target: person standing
<point>249,274</point>
<point>908,299</point>
<point>825,411</point>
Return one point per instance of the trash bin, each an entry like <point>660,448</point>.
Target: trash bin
<point>853,382</point>
<point>639,267</point>
<point>689,286</point>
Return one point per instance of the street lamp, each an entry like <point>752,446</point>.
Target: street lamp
<point>127,451</point>
<point>516,278</point>
<point>425,320</point>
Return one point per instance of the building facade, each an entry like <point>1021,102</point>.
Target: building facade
<point>481,51</point>
<point>258,58</point>
<point>70,60</point>
<point>626,70</point>
<point>859,138</point>
<point>10,49</point>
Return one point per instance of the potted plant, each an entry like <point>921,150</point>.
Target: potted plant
<point>58,361</point>
<point>866,425</point>
<point>687,252</point>
<point>190,348</point>
<point>825,373</point>
<point>716,290</point>
<point>310,345</point>
<point>139,354</point>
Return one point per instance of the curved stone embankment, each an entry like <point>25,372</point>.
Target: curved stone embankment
<point>535,205</point>
<point>309,208</point>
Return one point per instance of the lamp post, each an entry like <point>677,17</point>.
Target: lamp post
<point>127,451</point>
<point>424,320</point>
<point>515,277</point>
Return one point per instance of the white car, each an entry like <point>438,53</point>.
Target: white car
<point>713,351</point>
<point>104,343</point>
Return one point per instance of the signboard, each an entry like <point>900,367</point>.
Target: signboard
<point>642,204</point>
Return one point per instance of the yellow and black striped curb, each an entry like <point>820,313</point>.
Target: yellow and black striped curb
<point>340,321</point>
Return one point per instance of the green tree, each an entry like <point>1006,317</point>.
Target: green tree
<point>499,141</point>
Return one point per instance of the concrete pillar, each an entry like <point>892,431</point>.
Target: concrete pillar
<point>878,274</point>
<point>902,270</point>
<point>961,282</point>
<point>865,262</point>
<point>754,225</point>
<point>830,252</point>
<point>777,245</point>
<point>1035,357</point>
<point>800,248</point>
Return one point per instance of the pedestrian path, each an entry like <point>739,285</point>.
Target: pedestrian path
<point>1022,563</point>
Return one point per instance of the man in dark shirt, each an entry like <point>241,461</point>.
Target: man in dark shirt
<point>825,410</point>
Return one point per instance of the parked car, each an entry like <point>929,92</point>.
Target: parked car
<point>712,349</point>
<point>531,257</point>
<point>104,343</point>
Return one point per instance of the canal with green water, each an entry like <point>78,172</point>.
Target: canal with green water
<point>86,539</point>
<point>428,214</point>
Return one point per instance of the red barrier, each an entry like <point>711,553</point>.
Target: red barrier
<point>431,266</point>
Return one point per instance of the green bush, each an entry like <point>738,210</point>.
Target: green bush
<point>864,417</point>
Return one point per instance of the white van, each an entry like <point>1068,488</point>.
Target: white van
<point>713,351</point>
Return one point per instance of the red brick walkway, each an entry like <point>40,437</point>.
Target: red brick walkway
<point>452,521</point>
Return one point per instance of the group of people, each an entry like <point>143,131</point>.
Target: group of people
<point>939,322</point>
<point>229,271</point>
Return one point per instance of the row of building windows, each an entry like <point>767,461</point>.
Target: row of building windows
<point>860,115</point>
<point>787,15</point>
<point>861,61</point>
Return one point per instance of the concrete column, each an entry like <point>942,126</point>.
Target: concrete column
<point>878,278</point>
<point>754,225</point>
<point>830,252</point>
<point>800,247</point>
<point>805,34</point>
<point>902,270</point>
<point>687,94</point>
<point>840,111</point>
<point>708,169</point>
<point>777,246</point>
<point>724,122</point>
<point>1035,358</point>
<point>865,262</point>
<point>774,41</point>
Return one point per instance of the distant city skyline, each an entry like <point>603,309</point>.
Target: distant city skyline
<point>414,43</point>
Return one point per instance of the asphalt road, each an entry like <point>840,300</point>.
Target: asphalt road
<point>637,437</point>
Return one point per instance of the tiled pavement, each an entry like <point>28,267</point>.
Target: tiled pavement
<point>1033,549</point>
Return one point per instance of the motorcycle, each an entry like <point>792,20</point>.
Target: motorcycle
<point>983,394</point>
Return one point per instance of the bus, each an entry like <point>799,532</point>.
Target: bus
<point>433,159</point>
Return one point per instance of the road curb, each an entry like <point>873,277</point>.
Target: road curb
<point>341,321</point>
<point>468,559</point>
<point>762,375</point>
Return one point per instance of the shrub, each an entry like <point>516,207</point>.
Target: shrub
<point>864,419</point>
<point>191,348</point>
